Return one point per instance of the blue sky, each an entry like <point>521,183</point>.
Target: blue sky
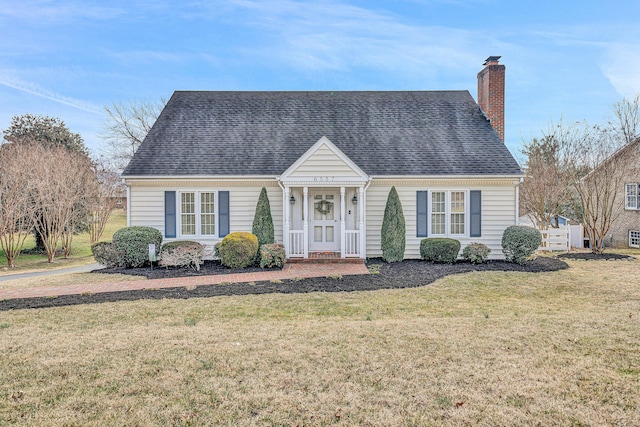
<point>69,59</point>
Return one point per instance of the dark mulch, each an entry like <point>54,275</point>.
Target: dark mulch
<point>589,256</point>
<point>406,274</point>
<point>209,268</point>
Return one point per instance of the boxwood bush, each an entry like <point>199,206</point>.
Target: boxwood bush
<point>476,253</point>
<point>132,245</point>
<point>272,255</point>
<point>238,250</point>
<point>520,242</point>
<point>105,254</point>
<point>440,250</point>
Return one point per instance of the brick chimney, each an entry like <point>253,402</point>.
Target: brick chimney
<point>491,93</point>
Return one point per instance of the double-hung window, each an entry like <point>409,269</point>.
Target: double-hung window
<point>197,213</point>
<point>448,213</point>
<point>632,196</point>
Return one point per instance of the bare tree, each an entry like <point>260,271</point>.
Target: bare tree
<point>545,193</point>
<point>60,197</point>
<point>47,131</point>
<point>16,207</point>
<point>105,189</point>
<point>626,122</point>
<point>126,127</point>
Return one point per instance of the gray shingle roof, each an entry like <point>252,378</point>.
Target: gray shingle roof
<point>263,133</point>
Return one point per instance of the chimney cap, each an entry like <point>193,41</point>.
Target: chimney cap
<point>492,60</point>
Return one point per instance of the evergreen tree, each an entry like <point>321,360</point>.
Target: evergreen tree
<point>262,220</point>
<point>393,236</point>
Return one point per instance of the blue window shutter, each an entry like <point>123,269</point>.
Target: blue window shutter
<point>421,214</point>
<point>475,202</point>
<point>169,214</point>
<point>223,213</point>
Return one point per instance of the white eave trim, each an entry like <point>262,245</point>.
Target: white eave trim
<point>218,177</point>
<point>374,177</point>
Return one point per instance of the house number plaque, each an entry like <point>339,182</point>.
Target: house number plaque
<point>323,178</point>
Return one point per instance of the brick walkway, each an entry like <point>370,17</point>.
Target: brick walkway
<point>289,271</point>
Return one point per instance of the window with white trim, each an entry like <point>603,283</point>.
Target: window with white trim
<point>634,238</point>
<point>197,213</point>
<point>631,196</point>
<point>448,214</point>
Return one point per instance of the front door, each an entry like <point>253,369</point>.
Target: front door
<point>324,230</point>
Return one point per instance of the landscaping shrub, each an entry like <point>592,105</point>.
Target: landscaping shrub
<point>262,220</point>
<point>393,233</point>
<point>238,250</point>
<point>105,254</point>
<point>182,254</point>
<point>440,250</point>
<point>132,245</point>
<point>216,250</point>
<point>520,242</point>
<point>272,255</point>
<point>476,253</point>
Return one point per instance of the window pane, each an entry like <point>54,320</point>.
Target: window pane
<point>457,212</point>
<point>632,196</point>
<point>438,212</point>
<point>188,213</point>
<point>207,216</point>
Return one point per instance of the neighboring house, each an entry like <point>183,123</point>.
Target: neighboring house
<point>328,161</point>
<point>625,230</point>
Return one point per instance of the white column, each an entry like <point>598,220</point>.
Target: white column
<point>305,222</point>
<point>287,226</point>
<point>343,210</point>
<point>361,228</point>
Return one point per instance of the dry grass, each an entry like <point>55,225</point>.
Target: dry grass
<point>66,279</point>
<point>479,349</point>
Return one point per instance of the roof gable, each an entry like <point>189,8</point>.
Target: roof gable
<point>323,161</point>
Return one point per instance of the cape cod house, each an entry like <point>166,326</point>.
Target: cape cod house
<point>328,161</point>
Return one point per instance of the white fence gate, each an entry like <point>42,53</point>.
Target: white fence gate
<point>555,239</point>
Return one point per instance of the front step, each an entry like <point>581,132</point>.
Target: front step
<point>325,258</point>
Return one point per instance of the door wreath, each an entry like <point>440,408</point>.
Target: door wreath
<point>324,206</point>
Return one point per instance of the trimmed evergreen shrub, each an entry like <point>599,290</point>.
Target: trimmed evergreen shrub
<point>262,220</point>
<point>476,253</point>
<point>132,245</point>
<point>393,234</point>
<point>239,249</point>
<point>216,250</point>
<point>272,255</point>
<point>520,242</point>
<point>439,250</point>
<point>105,254</point>
<point>182,253</point>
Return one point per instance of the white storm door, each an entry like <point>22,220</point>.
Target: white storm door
<point>324,215</point>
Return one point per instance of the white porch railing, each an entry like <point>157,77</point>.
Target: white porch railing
<point>296,243</point>
<point>351,243</point>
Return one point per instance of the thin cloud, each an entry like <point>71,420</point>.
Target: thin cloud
<point>622,68</point>
<point>36,90</point>
<point>338,36</point>
<point>39,11</point>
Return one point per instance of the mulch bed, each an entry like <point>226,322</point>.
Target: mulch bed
<point>588,256</point>
<point>405,274</point>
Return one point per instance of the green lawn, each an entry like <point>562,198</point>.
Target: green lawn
<point>483,349</point>
<point>80,253</point>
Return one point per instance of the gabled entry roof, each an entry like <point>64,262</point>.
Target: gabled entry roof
<point>264,133</point>
<point>324,162</point>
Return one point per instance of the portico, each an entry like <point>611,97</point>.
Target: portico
<point>324,202</point>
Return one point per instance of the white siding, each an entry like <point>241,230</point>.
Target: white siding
<point>147,204</point>
<point>320,162</point>
<point>498,212</point>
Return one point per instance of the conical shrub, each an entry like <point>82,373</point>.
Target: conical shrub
<point>393,233</point>
<point>262,220</point>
